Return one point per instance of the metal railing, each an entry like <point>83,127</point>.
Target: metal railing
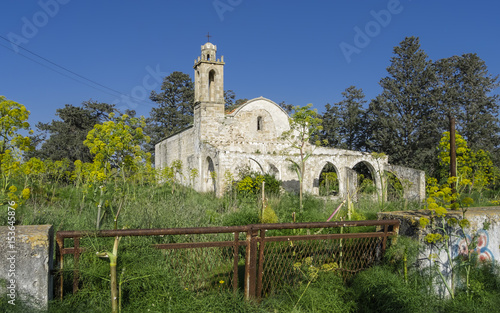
<point>273,254</point>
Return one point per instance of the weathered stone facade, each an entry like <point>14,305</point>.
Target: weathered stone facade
<point>220,143</point>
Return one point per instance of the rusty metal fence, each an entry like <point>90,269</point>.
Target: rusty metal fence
<point>258,259</point>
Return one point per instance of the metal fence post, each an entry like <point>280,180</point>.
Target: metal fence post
<point>261,263</point>
<point>60,265</point>
<point>251,263</point>
<point>235,261</point>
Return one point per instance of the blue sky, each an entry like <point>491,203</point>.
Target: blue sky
<point>283,50</point>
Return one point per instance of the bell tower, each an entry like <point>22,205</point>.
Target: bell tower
<point>208,91</point>
<point>209,75</point>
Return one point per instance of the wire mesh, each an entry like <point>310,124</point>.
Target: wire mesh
<point>289,262</point>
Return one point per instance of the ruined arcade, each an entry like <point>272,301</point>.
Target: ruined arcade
<point>219,143</point>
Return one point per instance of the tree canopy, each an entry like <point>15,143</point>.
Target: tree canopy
<point>344,124</point>
<point>464,92</point>
<point>175,107</point>
<point>63,138</point>
<point>403,118</point>
<point>418,98</point>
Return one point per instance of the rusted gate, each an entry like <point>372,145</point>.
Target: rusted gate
<point>273,254</point>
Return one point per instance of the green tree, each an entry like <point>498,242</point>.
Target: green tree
<point>287,107</point>
<point>474,167</point>
<point>464,91</point>
<point>13,118</point>
<point>403,119</point>
<point>116,144</point>
<point>343,123</point>
<point>175,107</point>
<point>63,138</point>
<point>304,126</point>
<point>230,102</point>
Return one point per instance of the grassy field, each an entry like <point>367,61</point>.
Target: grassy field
<point>149,286</point>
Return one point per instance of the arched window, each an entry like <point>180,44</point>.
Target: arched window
<point>208,57</point>
<point>211,85</point>
<point>259,123</point>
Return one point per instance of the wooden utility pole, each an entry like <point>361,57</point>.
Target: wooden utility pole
<point>453,153</point>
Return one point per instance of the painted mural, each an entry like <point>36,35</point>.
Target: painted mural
<point>482,248</point>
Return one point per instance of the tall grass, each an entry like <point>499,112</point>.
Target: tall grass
<point>150,284</point>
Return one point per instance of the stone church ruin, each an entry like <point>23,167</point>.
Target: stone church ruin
<point>219,143</point>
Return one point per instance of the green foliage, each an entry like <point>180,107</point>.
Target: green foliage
<point>327,293</point>
<point>463,92</point>
<point>378,289</point>
<point>117,144</point>
<point>394,187</point>
<point>366,185</point>
<point>251,183</point>
<point>474,168</point>
<point>403,121</point>
<point>344,123</point>
<point>63,138</point>
<point>441,231</point>
<point>328,182</point>
<point>268,216</point>
<point>244,216</point>
<point>402,255</point>
<point>13,118</point>
<point>302,138</point>
<point>175,107</point>
<point>406,119</point>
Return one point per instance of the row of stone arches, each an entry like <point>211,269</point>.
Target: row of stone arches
<point>368,180</point>
<point>330,181</point>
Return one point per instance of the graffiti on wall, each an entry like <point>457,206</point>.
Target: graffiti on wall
<point>462,246</point>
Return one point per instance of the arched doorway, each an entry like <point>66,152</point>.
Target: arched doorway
<point>366,178</point>
<point>394,187</point>
<point>210,176</point>
<point>255,166</point>
<point>328,181</point>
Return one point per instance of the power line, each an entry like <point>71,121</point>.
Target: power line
<point>70,71</point>
<point>63,74</point>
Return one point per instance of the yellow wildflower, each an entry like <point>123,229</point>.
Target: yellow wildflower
<point>25,193</point>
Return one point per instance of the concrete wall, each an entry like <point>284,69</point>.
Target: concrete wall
<point>26,263</point>
<point>485,227</point>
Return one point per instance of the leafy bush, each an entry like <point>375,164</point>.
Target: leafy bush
<point>269,216</point>
<point>251,182</point>
<point>378,289</point>
<point>243,216</point>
